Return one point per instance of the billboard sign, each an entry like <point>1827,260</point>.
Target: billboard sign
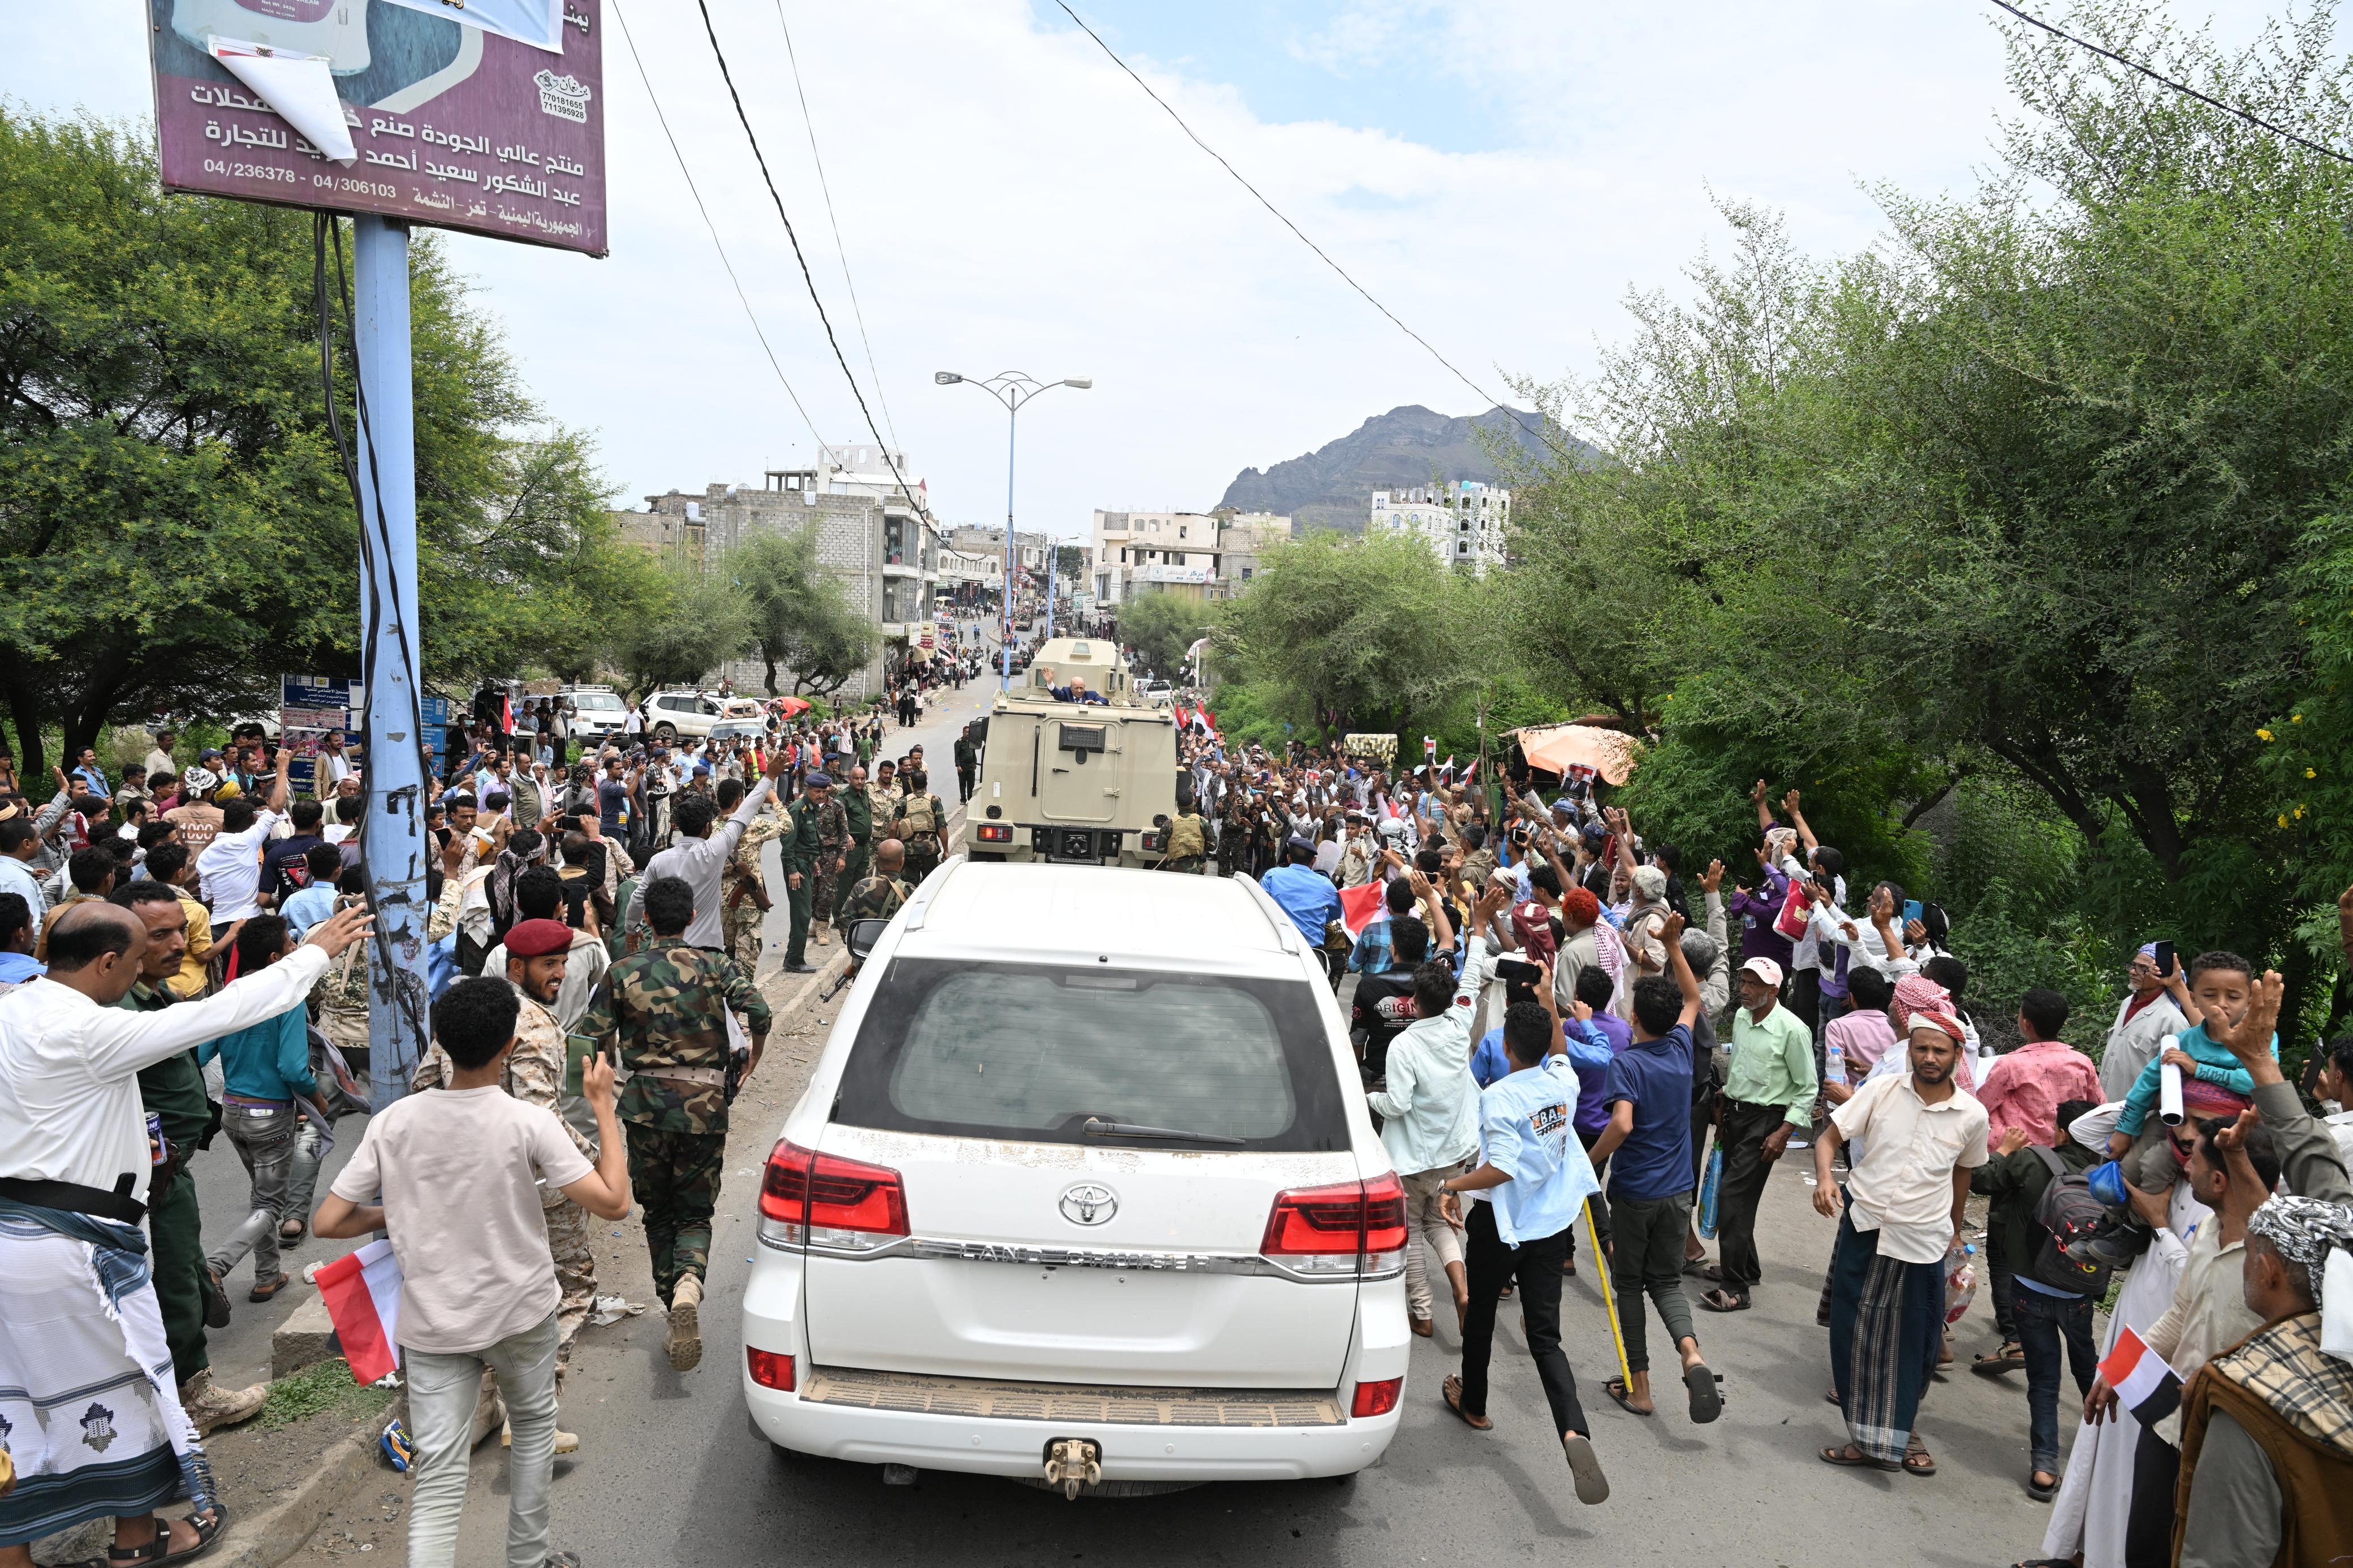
<point>309,706</point>
<point>455,125</point>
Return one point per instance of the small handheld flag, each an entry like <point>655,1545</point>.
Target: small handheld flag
<point>362,1292</point>
<point>2144,1383</point>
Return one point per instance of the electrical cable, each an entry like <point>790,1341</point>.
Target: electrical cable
<point>715,243</point>
<point>2185,88</point>
<point>839,249</point>
<point>889,457</point>
<point>1493,401</point>
<point>322,225</point>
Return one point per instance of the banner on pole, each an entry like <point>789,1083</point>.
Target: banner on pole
<point>460,125</point>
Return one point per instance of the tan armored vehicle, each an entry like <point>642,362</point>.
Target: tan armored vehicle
<point>1079,783</point>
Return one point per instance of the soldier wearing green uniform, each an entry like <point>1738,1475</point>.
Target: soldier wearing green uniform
<point>832,849</point>
<point>665,1010</point>
<point>857,810</point>
<point>879,897</point>
<point>172,1090</point>
<point>921,820</point>
<point>1188,840</point>
<point>800,846</point>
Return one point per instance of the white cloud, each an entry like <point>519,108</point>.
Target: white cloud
<point>1010,200</point>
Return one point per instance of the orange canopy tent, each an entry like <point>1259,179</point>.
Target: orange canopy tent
<point>1557,748</point>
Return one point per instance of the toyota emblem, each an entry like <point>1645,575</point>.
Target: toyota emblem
<point>1089,1204</point>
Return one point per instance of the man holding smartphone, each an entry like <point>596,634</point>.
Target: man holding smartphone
<point>2151,1012</point>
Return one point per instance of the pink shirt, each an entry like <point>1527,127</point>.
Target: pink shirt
<point>2025,1088</point>
<point>1861,1038</point>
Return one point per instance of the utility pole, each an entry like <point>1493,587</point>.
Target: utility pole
<point>1013,389</point>
<point>393,842</point>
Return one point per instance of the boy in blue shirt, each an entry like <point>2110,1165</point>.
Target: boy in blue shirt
<point>1531,1180</point>
<point>1649,1145</point>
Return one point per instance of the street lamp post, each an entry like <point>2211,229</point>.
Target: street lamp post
<point>1012,389</point>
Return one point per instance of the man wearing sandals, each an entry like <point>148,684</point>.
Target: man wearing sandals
<point>1533,1177</point>
<point>1921,1137</point>
<point>1648,1144</point>
<point>94,1424</point>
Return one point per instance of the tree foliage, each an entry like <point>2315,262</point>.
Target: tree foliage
<point>176,530</point>
<point>801,617</point>
<point>695,621</point>
<point>1161,626</point>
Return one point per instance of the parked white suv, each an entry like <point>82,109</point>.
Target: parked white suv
<point>1084,1188</point>
<point>672,714</point>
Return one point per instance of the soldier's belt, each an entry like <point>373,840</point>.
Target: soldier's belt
<point>708,1077</point>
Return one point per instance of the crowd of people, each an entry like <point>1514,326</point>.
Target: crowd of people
<point>179,963</point>
<point>1562,1020</point>
<point>1561,1030</point>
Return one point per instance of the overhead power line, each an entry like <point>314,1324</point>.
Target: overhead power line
<point>889,457</point>
<point>716,244</point>
<point>2183,88</point>
<point>1300,234</point>
<point>857,310</point>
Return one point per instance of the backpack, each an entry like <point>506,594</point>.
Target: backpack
<point>2070,1217</point>
<point>920,816</point>
<point>1185,837</point>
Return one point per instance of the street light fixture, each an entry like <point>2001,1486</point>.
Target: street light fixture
<point>1013,389</point>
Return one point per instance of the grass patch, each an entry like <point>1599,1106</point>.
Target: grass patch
<point>322,1388</point>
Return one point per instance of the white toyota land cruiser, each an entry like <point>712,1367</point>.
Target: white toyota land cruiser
<point>1082,1190</point>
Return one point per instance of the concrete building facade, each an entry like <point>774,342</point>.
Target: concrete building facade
<point>1464,520</point>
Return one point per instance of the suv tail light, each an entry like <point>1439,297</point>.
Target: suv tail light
<point>1350,1227</point>
<point>824,1200</point>
<point>1372,1398</point>
<point>770,1370</point>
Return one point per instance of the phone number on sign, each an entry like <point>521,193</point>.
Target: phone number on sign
<point>250,171</point>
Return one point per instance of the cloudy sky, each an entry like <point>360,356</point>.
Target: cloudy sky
<point>1499,173</point>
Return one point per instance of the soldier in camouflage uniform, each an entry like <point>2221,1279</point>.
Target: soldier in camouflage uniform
<point>832,847</point>
<point>921,820</point>
<point>880,896</point>
<point>537,952</point>
<point>801,846</point>
<point>745,886</point>
<point>665,1011</point>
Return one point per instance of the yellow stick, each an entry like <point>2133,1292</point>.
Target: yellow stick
<point>1609,1296</point>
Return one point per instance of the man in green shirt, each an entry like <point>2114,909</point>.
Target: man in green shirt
<point>1768,1095</point>
<point>173,1091</point>
<point>858,806</point>
<point>799,846</point>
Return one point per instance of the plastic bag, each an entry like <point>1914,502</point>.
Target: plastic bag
<point>1709,1188</point>
<point>1960,1280</point>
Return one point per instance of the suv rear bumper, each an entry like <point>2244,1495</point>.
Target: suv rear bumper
<point>955,1424</point>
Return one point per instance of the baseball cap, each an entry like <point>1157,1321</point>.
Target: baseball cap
<point>1765,969</point>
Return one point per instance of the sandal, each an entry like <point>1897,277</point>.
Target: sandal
<point>158,1548</point>
<point>263,1289</point>
<point>2037,1490</point>
<point>2009,1357</point>
<point>1592,1485</point>
<point>1697,1265</point>
<point>1832,1396</point>
<point>1721,1301</point>
<point>1451,1391</point>
<point>292,1231</point>
<point>1616,1389</point>
<point>1916,1459</point>
<point>1707,1399</point>
<point>1853,1459</point>
<point>1705,1270</point>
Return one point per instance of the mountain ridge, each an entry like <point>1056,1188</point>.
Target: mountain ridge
<point>1332,487</point>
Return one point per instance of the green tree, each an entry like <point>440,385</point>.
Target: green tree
<point>1354,633</point>
<point>802,620</point>
<point>1161,624</point>
<point>176,530</point>
<point>696,621</point>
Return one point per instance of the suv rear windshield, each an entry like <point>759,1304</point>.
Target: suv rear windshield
<point>1030,1052</point>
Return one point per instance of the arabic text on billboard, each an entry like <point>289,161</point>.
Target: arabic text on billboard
<point>456,126</point>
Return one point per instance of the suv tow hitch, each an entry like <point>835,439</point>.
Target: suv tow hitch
<point>1072,1463</point>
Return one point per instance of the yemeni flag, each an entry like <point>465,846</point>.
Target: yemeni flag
<point>1362,905</point>
<point>361,1290</point>
<point>2145,1384</point>
<point>506,714</point>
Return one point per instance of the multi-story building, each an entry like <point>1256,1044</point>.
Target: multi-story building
<point>874,533</point>
<point>1150,550</point>
<point>1242,538</point>
<point>1464,520</point>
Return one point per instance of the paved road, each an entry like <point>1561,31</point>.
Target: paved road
<point>240,1353</point>
<point>672,1472</point>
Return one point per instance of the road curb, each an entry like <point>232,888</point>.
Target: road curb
<point>265,1539</point>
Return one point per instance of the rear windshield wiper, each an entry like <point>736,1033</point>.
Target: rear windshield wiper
<point>1097,1127</point>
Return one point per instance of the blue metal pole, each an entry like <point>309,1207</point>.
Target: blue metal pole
<point>392,843</point>
<point>1005,675</point>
